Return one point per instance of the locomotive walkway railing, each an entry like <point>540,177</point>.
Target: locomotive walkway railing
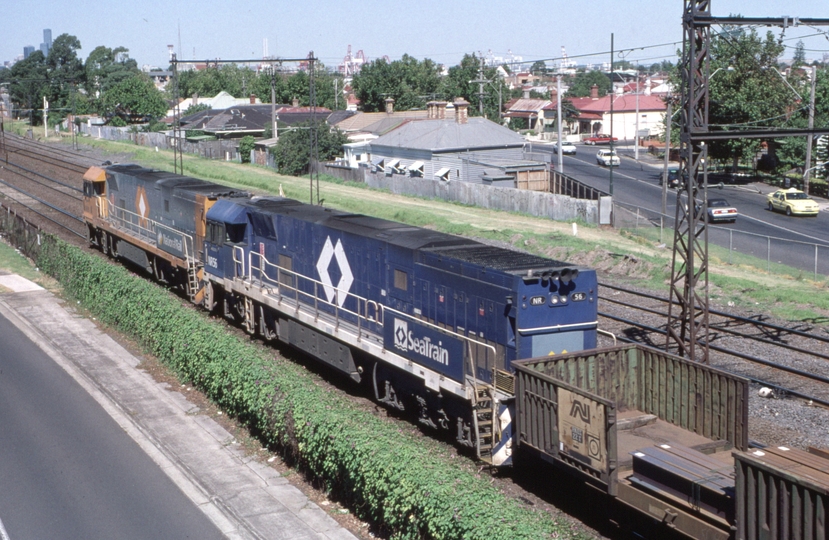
<point>367,321</point>
<point>145,229</point>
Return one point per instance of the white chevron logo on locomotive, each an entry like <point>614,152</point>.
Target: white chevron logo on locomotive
<point>405,340</point>
<point>330,252</point>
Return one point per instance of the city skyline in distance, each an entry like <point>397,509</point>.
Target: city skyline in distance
<point>645,31</point>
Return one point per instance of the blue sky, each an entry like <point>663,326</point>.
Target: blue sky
<point>532,29</point>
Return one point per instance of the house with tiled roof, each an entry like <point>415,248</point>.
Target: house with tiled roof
<point>595,115</point>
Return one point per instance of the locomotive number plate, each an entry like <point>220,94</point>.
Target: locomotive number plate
<point>538,300</point>
<point>578,297</point>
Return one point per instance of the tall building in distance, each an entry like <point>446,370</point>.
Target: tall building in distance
<point>27,50</point>
<point>47,41</point>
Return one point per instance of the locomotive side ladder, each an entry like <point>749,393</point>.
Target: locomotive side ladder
<point>194,272</point>
<point>484,414</point>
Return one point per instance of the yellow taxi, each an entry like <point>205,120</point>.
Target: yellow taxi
<point>793,202</point>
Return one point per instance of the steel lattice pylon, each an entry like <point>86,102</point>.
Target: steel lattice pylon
<point>687,329</point>
<point>689,279</point>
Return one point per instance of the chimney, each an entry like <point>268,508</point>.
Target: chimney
<point>195,98</point>
<point>440,110</point>
<point>594,92</point>
<point>430,110</point>
<point>252,99</point>
<point>460,111</point>
<point>296,102</point>
<point>389,105</point>
<point>526,93</point>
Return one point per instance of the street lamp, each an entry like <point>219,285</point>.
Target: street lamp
<point>783,77</point>
<point>818,166</point>
<point>729,68</point>
<point>811,123</point>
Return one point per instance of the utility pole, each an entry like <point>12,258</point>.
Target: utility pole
<point>636,137</point>
<point>558,124</point>
<point>481,81</point>
<point>273,103</point>
<point>313,158</point>
<point>810,136</point>
<point>612,95</point>
<point>45,117</point>
<point>178,157</point>
<point>667,156</point>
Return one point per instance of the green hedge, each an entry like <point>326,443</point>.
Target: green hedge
<point>407,486</point>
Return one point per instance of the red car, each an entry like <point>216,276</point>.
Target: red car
<point>599,138</point>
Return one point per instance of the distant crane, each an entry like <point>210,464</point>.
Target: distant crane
<point>566,65</point>
<point>351,64</point>
<point>566,62</point>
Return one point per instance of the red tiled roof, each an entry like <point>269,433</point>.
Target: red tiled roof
<point>623,103</point>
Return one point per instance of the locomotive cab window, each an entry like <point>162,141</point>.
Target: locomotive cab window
<point>93,189</point>
<point>215,232</point>
<point>235,233</point>
<point>401,280</point>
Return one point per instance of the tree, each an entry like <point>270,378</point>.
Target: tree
<point>198,107</point>
<point>582,83</point>
<point>236,81</point>
<point>538,68</point>
<point>293,149</point>
<point>799,55</point>
<point>246,145</point>
<point>65,71</point>
<point>28,84</point>
<point>409,82</point>
<point>745,93</point>
<point>458,84</point>
<point>135,99</point>
<point>105,68</point>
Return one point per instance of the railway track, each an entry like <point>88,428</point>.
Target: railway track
<point>793,360</point>
<point>46,154</point>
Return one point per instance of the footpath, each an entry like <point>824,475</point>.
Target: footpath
<point>244,498</point>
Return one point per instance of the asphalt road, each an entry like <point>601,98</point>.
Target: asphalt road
<point>636,184</point>
<point>67,470</point>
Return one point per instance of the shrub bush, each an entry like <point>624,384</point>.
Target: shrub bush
<point>408,486</point>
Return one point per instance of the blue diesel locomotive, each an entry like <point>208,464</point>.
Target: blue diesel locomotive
<point>430,320</point>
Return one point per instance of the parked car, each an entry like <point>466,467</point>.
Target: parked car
<point>793,202</point>
<point>566,148</point>
<point>599,138</point>
<point>608,158</point>
<point>719,210</point>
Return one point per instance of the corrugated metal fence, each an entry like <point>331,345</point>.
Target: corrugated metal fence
<point>221,149</point>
